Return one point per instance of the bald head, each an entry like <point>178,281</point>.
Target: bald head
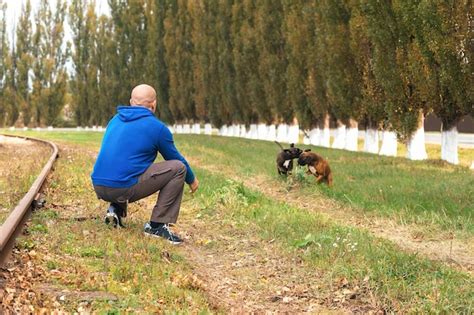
<point>144,95</point>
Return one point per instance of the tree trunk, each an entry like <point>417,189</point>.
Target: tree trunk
<point>314,136</point>
<point>196,129</point>
<point>243,131</point>
<point>449,145</point>
<point>306,139</point>
<point>294,132</point>
<point>371,140</point>
<point>272,135</point>
<point>340,136</point>
<point>262,132</point>
<point>179,128</point>
<point>208,129</point>
<point>352,136</point>
<point>325,135</point>
<point>416,144</point>
<point>389,143</point>
<point>186,128</point>
<point>253,131</point>
<point>282,133</point>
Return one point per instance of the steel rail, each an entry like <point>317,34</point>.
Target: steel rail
<point>13,225</point>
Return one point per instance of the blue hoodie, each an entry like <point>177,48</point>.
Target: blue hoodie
<point>131,142</point>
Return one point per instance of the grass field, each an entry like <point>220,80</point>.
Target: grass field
<point>341,267</point>
<point>19,166</point>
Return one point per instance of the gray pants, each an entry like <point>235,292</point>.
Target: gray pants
<point>166,177</point>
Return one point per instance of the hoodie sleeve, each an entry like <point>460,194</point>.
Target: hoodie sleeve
<point>168,150</point>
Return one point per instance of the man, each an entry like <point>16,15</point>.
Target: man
<point>124,170</point>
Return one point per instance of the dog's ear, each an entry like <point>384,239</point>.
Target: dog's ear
<point>286,150</point>
<point>307,150</point>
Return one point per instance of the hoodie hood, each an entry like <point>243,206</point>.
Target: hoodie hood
<point>129,113</point>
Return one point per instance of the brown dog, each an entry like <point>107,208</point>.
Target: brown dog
<point>317,166</point>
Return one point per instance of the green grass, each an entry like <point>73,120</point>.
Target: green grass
<point>423,192</point>
<point>402,282</point>
<point>91,256</point>
<point>86,255</point>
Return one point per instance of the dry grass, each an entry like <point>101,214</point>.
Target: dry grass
<point>20,163</point>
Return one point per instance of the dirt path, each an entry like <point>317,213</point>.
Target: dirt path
<point>241,273</point>
<point>452,252</point>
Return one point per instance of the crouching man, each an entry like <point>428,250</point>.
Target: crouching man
<point>124,170</point>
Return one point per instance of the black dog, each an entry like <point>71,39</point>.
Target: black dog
<point>285,158</point>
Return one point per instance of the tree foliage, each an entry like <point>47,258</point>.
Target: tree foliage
<point>381,63</point>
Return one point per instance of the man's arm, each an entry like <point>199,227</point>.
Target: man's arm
<point>169,152</point>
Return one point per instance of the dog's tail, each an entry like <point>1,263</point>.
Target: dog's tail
<point>330,179</point>
<point>279,145</point>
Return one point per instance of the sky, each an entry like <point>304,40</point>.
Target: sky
<point>14,10</point>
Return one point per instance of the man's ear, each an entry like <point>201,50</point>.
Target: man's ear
<point>307,150</point>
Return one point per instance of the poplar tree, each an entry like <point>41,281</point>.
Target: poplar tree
<point>241,60</point>
<point>299,37</point>
<point>251,41</point>
<point>225,78</point>
<point>272,62</point>
<point>342,77</point>
<point>24,62</point>
<point>444,31</point>
<point>157,72</point>
<point>201,58</point>
<point>371,101</point>
<point>53,55</point>
<point>4,57</point>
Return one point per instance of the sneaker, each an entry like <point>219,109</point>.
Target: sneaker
<point>164,232</point>
<point>112,218</point>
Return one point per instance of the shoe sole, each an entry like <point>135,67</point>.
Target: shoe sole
<point>112,220</point>
<point>157,236</point>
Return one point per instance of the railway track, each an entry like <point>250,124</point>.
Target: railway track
<point>14,223</point>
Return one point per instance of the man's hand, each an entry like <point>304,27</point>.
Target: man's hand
<point>194,185</point>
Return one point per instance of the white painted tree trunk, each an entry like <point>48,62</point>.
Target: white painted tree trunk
<point>371,140</point>
<point>223,131</point>
<point>196,129</point>
<point>253,131</point>
<point>340,137</point>
<point>449,145</point>
<point>230,131</point>
<point>416,144</point>
<point>186,128</point>
<point>294,134</point>
<point>179,128</point>
<point>306,139</point>
<point>236,131</point>
<point>262,132</point>
<point>389,143</point>
<point>243,131</point>
<point>208,129</point>
<point>326,133</point>
<point>282,133</point>
<point>272,134</point>
<point>352,136</point>
<point>472,165</point>
<point>314,136</point>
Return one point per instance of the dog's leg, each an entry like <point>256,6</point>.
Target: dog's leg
<point>319,178</point>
